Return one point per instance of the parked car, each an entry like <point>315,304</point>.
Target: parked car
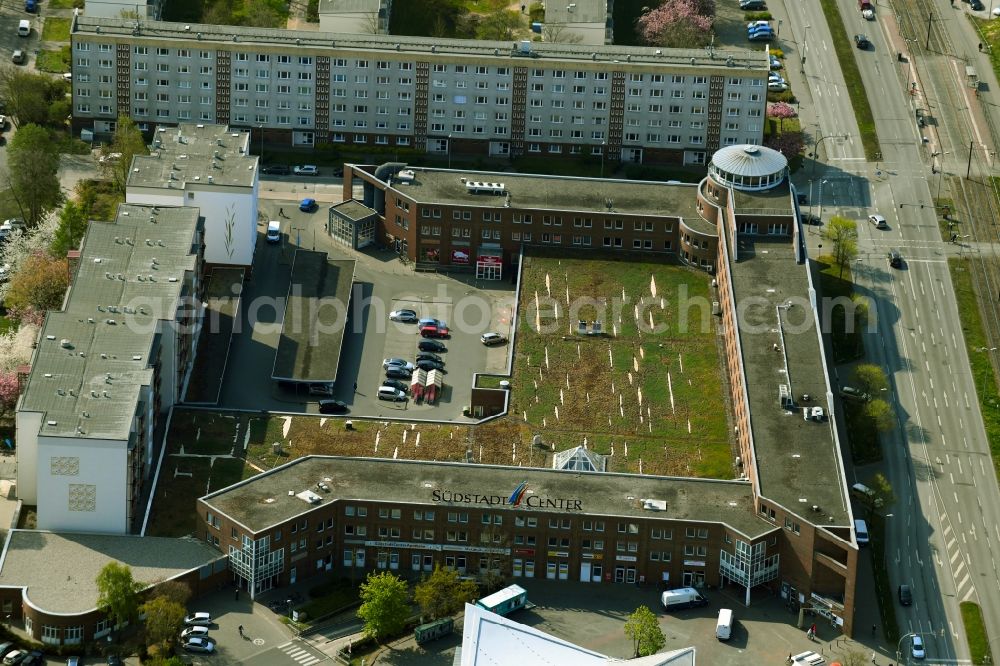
<point>758,24</point>
<point>491,339</point>
<point>752,5</point>
<point>428,364</point>
<point>110,158</point>
<point>194,631</point>
<point>878,221</point>
<point>430,321</point>
<point>917,647</point>
<point>276,169</point>
<point>905,595</point>
<point>308,205</point>
<point>761,36</point>
<point>197,644</point>
<point>777,86</point>
<point>408,316</point>
<point>321,389</point>
<point>35,657</point>
<point>396,384</point>
<point>429,356</point>
<point>391,394</point>
<point>861,41</point>
<point>775,63</point>
<point>6,647</point>
<point>306,170</point>
<point>198,619</point>
<point>114,660</point>
<point>15,657</point>
<point>976,5</point>
<point>338,172</point>
<point>895,259</point>
<point>431,346</point>
<point>397,372</point>
<point>810,218</point>
<point>852,393</point>
<point>434,332</point>
<point>18,57</point>
<point>399,362</point>
<point>333,407</point>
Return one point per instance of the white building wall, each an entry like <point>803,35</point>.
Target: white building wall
<point>28,424</point>
<point>589,33</point>
<point>217,204</point>
<point>95,472</point>
<point>112,9</point>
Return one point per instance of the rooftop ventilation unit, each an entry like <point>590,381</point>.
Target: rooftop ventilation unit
<point>476,187</point>
<point>654,505</point>
<point>406,176</point>
<point>309,496</point>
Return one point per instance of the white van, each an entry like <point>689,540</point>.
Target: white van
<point>861,532</point>
<point>23,28</point>
<point>684,597</point>
<point>724,625</point>
<point>274,231</point>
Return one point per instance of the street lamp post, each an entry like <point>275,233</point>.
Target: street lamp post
<point>449,151</point>
<point>820,198</point>
<point>899,645</point>
<point>603,150</point>
<point>261,128</point>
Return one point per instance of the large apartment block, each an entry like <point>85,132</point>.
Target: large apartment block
<point>443,96</point>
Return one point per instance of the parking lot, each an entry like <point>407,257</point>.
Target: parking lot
<point>382,284</point>
<point>594,618</point>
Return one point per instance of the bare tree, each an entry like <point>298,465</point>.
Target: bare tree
<point>560,32</point>
<point>371,24</point>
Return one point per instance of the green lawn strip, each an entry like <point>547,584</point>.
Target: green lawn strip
<point>846,346</point>
<point>883,588</point>
<point>60,4</point>
<point>56,29</point>
<point>864,437</point>
<point>182,480</point>
<point>975,339</point>
<point>329,598</point>
<point>991,31</point>
<point>56,62</point>
<point>975,633</point>
<point>843,44</point>
<point>203,433</point>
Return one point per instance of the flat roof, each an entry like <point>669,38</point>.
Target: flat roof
<point>798,461</point>
<point>774,201</point>
<point>353,210</point>
<point>557,193</point>
<point>195,154</point>
<point>577,11</point>
<point>312,329</point>
<point>65,583</point>
<point>349,6</point>
<point>743,60</point>
<point>131,273</point>
<point>264,500</point>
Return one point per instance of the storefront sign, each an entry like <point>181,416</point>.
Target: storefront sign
<point>524,551</point>
<point>477,549</point>
<point>693,563</point>
<point>459,256</point>
<point>403,544</point>
<point>517,498</point>
<point>558,553</point>
<point>625,558</point>
<point>488,260</point>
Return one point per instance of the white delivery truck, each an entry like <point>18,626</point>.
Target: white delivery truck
<point>724,625</point>
<point>684,597</point>
<point>808,659</point>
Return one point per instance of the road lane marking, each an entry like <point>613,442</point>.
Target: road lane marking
<point>961,584</point>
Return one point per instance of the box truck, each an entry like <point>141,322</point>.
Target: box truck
<point>724,625</point>
<point>684,597</point>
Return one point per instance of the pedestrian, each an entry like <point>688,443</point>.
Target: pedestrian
<point>241,631</point>
<point>789,659</point>
<point>980,47</point>
<point>355,387</point>
<point>281,212</point>
<point>873,630</point>
<point>237,594</point>
<point>873,657</point>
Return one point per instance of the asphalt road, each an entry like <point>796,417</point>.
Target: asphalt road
<point>944,524</point>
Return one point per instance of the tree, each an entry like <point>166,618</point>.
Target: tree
<point>499,23</point>
<point>443,593</point>
<point>72,226</point>
<point>781,110</point>
<point>788,144</point>
<point>870,378</point>
<point>371,24</point>
<point>32,163</point>
<point>164,618</point>
<point>27,96</point>
<point>880,412</point>
<point>560,32</point>
<point>385,605</point>
<point>645,632</point>
<point>126,144</point>
<point>881,495</point>
<point>677,24</point>
<point>39,283</point>
<point>117,593</point>
<point>843,233</point>
<point>9,389</point>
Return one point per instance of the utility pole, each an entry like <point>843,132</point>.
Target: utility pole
<point>930,20</point>
<point>968,170</point>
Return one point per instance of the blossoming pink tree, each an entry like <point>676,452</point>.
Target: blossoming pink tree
<point>678,23</point>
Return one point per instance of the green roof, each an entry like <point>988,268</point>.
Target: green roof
<point>95,355</point>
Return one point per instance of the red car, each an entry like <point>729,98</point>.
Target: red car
<point>433,331</point>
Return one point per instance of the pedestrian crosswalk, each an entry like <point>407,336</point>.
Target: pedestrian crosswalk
<point>298,652</point>
<point>964,589</point>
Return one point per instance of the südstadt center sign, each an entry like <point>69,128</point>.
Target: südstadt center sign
<point>517,498</point>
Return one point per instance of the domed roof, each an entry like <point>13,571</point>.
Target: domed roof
<point>749,161</point>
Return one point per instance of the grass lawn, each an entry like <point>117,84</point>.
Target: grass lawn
<point>330,598</point>
<point>183,479</point>
<point>864,436</point>
<point>60,4</point>
<point>846,346</point>
<point>975,633</point>
<point>943,227</point>
<point>56,29</point>
<point>975,339</point>
<point>56,62</point>
<point>654,400</point>
<point>844,46</point>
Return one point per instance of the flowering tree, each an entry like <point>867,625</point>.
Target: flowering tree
<point>677,23</point>
<point>781,110</point>
<point>15,347</point>
<point>8,390</point>
<point>22,244</point>
<point>40,283</point>
<point>788,144</point>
